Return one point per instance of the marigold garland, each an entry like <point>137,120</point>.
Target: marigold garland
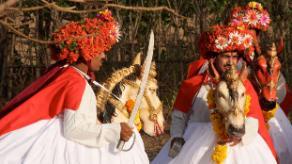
<point>271,113</point>
<point>247,104</point>
<point>211,99</point>
<point>220,151</point>
<point>129,106</point>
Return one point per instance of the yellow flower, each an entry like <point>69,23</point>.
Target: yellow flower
<point>219,154</point>
<point>218,125</point>
<point>247,104</point>
<point>255,5</point>
<point>270,114</point>
<point>138,122</point>
<point>211,99</point>
<point>129,106</point>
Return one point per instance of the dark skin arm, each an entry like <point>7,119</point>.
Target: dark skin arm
<point>126,132</point>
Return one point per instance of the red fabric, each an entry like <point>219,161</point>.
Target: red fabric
<point>280,46</point>
<point>286,105</point>
<point>195,67</point>
<point>30,90</point>
<point>188,89</point>
<point>64,92</point>
<point>255,112</point>
<point>191,86</point>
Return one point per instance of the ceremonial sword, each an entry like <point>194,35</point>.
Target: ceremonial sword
<point>147,65</point>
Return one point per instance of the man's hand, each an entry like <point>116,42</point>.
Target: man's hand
<point>232,140</point>
<point>235,141</point>
<point>175,146</point>
<point>213,71</point>
<point>126,131</point>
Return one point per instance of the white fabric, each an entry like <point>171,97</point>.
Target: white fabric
<point>81,125</point>
<point>281,133</point>
<point>200,140</point>
<point>199,147</point>
<point>281,89</point>
<point>44,143</point>
<point>73,137</point>
<point>251,130</point>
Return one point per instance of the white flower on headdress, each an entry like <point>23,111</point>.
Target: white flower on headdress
<point>221,42</point>
<point>235,38</point>
<point>252,17</point>
<point>247,40</point>
<point>265,19</point>
<point>115,33</point>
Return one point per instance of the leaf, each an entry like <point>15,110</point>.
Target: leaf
<point>72,46</point>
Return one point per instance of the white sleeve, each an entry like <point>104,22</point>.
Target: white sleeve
<point>178,123</point>
<point>251,130</point>
<point>79,128</point>
<point>82,126</point>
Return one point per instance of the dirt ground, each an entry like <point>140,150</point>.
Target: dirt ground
<point>154,144</point>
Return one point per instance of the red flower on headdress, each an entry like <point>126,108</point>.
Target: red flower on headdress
<point>235,38</point>
<point>265,19</point>
<point>247,40</point>
<point>221,42</point>
<point>87,38</point>
<point>224,38</point>
<point>252,15</point>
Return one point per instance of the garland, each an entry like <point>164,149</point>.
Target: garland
<point>220,150</point>
<point>271,113</point>
<point>129,106</point>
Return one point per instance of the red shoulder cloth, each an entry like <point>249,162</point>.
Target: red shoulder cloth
<point>187,91</point>
<point>194,67</point>
<point>286,105</point>
<point>32,89</point>
<point>255,112</point>
<point>65,91</point>
<point>190,86</point>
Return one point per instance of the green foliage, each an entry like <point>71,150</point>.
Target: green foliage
<point>63,3</point>
<point>30,3</point>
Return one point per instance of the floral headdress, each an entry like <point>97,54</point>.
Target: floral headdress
<point>87,38</point>
<point>252,15</point>
<point>223,39</point>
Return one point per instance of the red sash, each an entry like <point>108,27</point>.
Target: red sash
<point>45,101</point>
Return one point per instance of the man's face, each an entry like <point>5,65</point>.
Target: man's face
<point>225,60</point>
<point>97,61</point>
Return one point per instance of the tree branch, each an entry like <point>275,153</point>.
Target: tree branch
<point>7,25</point>
<point>7,4</point>
<point>54,6</point>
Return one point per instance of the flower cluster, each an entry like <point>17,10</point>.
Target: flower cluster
<point>87,38</point>
<point>252,15</point>
<point>271,113</point>
<point>225,38</point>
<point>220,153</point>
<point>129,106</point>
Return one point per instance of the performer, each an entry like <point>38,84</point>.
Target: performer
<point>55,119</point>
<point>265,75</point>
<point>191,119</point>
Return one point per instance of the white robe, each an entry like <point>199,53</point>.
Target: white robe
<point>73,137</point>
<point>280,130</point>
<point>200,141</point>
